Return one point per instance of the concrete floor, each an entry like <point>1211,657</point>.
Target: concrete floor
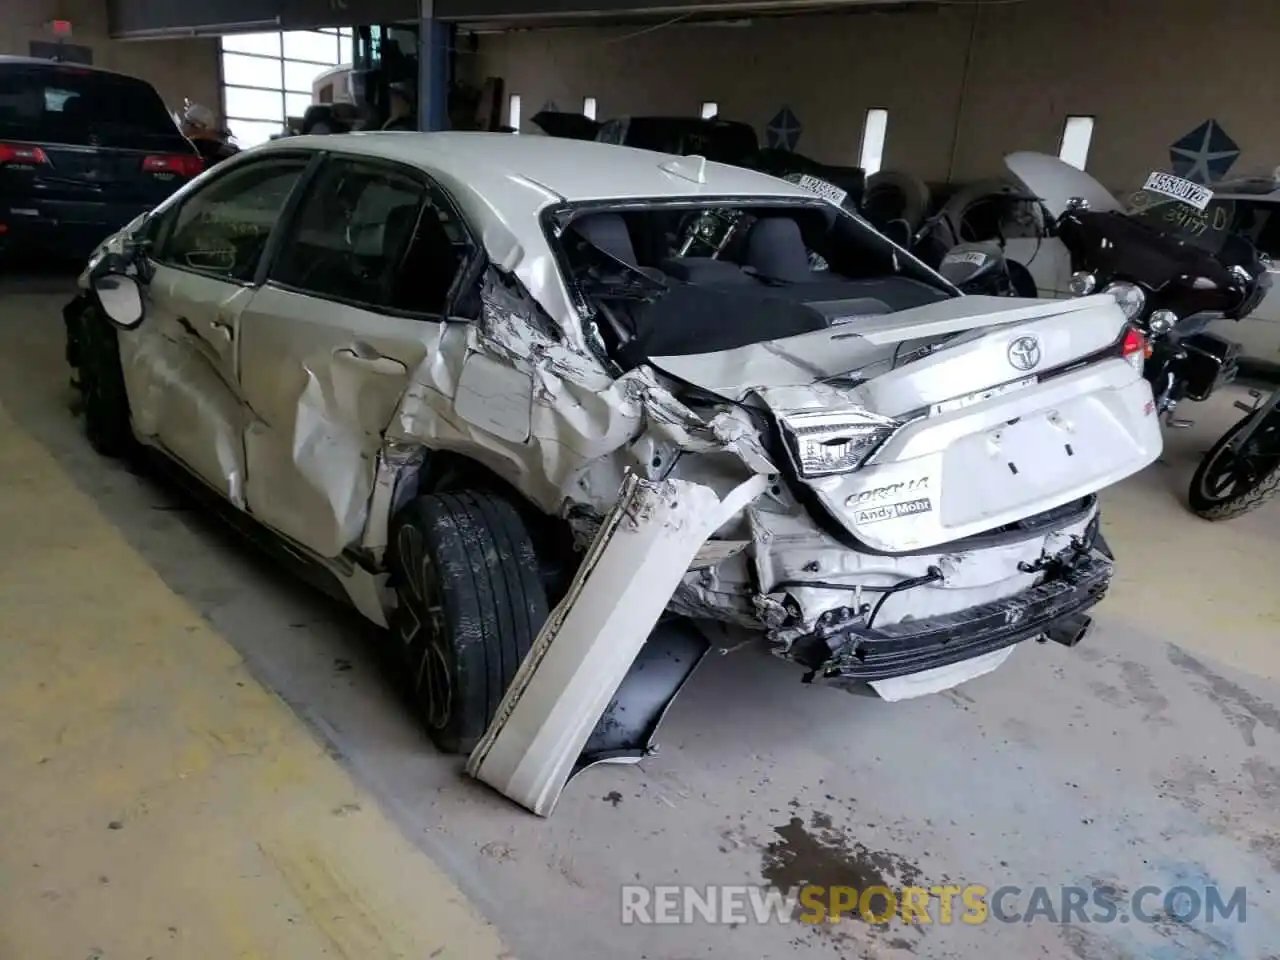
<point>155,800</point>
<point>1148,756</point>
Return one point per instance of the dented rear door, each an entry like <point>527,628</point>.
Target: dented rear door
<point>351,309</point>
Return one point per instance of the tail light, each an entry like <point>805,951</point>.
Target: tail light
<point>22,154</point>
<point>1135,348</point>
<point>183,164</point>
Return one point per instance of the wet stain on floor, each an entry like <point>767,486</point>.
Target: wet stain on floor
<point>1243,709</point>
<point>819,853</point>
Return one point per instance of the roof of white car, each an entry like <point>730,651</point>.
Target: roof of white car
<point>502,182</point>
<point>575,170</point>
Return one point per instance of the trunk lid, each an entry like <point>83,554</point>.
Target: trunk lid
<point>1001,409</point>
<point>864,348</point>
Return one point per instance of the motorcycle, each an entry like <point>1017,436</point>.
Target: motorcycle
<point>1174,262</point>
<point>1173,258</point>
<point>1241,471</point>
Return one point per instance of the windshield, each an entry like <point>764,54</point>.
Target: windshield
<point>679,278</point>
<point>74,105</point>
<point>1187,211</point>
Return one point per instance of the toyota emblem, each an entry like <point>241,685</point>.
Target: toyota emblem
<point>1024,353</point>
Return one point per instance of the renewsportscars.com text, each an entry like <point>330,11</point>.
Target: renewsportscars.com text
<point>942,904</point>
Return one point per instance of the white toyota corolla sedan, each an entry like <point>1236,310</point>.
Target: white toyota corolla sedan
<point>422,367</point>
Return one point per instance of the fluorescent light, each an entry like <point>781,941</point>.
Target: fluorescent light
<point>513,112</point>
<point>589,107</point>
<point>1077,134</point>
<point>710,109</point>
<point>874,131</point>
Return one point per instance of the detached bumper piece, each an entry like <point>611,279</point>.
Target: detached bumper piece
<point>585,692</point>
<point>1052,609</point>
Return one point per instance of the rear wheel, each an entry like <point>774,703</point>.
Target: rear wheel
<point>101,383</point>
<point>1230,483</point>
<point>470,605</point>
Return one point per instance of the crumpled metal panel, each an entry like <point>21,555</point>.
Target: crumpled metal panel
<point>586,429</point>
<point>789,551</point>
<point>590,641</point>
<point>329,447</point>
<point>176,395</point>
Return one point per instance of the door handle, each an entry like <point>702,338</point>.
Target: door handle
<point>224,330</point>
<point>367,358</point>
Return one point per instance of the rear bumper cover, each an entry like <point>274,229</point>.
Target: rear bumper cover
<point>855,653</point>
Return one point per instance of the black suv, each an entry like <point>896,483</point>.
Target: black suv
<point>82,152</point>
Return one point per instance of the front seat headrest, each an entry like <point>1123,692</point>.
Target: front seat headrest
<point>609,232</point>
<point>776,250</point>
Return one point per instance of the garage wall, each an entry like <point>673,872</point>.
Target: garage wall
<point>177,68</point>
<point>1150,73</point>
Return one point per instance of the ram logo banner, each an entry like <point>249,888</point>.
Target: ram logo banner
<point>783,131</point>
<point>1205,155</point>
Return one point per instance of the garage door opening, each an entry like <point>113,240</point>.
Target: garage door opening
<point>1077,134</point>
<point>513,112</point>
<point>589,107</point>
<point>874,131</point>
<point>268,77</point>
<point>709,109</point>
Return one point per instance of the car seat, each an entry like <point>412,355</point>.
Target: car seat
<point>608,232</point>
<point>775,251</point>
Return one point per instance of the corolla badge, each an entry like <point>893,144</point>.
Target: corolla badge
<point>1024,353</point>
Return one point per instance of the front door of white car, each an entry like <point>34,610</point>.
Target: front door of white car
<point>181,364</point>
<point>351,307</point>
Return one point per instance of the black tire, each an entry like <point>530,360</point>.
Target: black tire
<point>901,195</point>
<point>1024,285</point>
<point>1248,493</point>
<point>105,401</point>
<point>470,605</point>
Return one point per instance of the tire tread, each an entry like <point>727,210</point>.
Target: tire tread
<point>493,598</point>
<point>1253,498</point>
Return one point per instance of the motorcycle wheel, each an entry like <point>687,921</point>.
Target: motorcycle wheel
<point>1227,485</point>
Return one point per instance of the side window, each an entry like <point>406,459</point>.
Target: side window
<point>223,228</point>
<point>371,234</point>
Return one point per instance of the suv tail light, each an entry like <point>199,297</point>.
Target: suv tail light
<point>183,164</point>
<point>1135,348</point>
<point>22,153</point>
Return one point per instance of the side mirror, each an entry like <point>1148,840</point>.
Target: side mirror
<point>120,298</point>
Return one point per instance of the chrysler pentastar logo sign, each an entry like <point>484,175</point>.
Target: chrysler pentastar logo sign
<point>1024,353</point>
